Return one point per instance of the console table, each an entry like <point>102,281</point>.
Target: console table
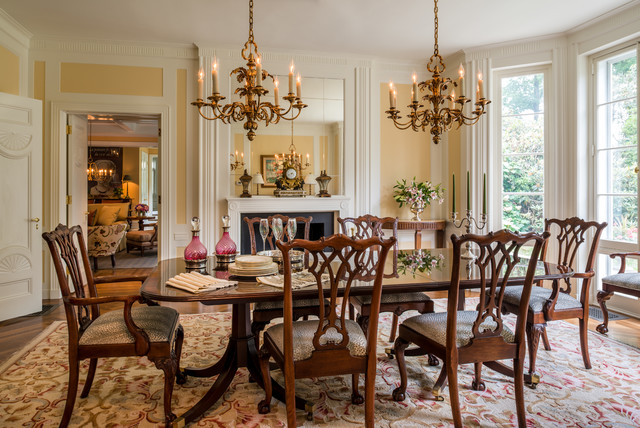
<point>419,226</point>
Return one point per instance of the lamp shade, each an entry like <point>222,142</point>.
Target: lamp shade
<point>257,178</point>
<point>310,179</point>
<point>126,177</point>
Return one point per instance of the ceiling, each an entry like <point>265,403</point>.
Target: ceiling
<point>119,130</point>
<point>402,29</point>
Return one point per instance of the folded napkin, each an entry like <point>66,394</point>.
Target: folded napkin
<point>195,282</point>
<point>298,280</point>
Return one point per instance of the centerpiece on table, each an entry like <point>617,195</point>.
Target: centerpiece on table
<point>418,261</point>
<point>417,195</point>
<point>141,209</point>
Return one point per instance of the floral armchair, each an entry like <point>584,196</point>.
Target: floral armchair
<point>104,241</point>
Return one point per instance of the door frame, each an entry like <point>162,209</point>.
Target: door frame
<point>57,185</point>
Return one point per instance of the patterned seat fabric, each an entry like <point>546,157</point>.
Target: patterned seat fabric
<point>393,298</point>
<point>159,322</point>
<point>140,235</point>
<point>624,280</point>
<point>304,303</point>
<point>105,240</point>
<point>539,297</point>
<point>303,332</point>
<point>434,326</point>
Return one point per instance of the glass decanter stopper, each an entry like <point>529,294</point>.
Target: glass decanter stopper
<point>195,251</point>
<point>225,246</point>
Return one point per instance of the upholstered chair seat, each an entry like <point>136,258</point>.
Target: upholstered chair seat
<point>140,235</point>
<point>625,280</point>
<point>434,326</point>
<point>159,322</point>
<point>303,303</point>
<point>539,297</point>
<point>393,298</point>
<point>303,332</point>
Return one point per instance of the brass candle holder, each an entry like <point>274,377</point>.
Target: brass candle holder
<point>468,222</point>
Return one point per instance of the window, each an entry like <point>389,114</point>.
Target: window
<point>616,160</point>
<point>522,138</point>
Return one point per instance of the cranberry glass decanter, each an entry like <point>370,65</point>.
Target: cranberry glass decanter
<point>226,248</point>
<point>195,255</point>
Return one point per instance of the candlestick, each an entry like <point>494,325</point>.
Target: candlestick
<point>414,89</point>
<point>200,85</point>
<point>391,103</point>
<point>453,193</point>
<point>484,194</point>
<point>452,99</point>
<point>461,80</point>
<point>480,86</point>
<point>468,192</point>
<point>298,86</point>
<point>276,82</point>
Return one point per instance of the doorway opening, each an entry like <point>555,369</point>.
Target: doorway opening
<point>113,176</point>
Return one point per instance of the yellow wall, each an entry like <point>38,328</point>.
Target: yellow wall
<point>9,72</point>
<point>453,143</point>
<point>110,79</point>
<point>130,165</point>
<point>403,154</point>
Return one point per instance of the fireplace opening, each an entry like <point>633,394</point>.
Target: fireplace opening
<point>321,225</point>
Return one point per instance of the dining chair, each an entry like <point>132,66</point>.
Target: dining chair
<point>368,226</point>
<point>333,345</point>
<point>265,312</point>
<point>480,336</point>
<point>558,303</point>
<point>151,331</point>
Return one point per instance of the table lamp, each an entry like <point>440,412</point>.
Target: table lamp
<point>258,180</point>
<point>310,179</point>
<point>127,179</point>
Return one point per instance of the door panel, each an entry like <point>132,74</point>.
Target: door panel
<point>77,155</point>
<point>20,206</point>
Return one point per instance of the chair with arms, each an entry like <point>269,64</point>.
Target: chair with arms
<point>152,331</point>
<point>264,312</point>
<point>558,303</point>
<point>368,226</point>
<point>480,336</point>
<point>334,344</point>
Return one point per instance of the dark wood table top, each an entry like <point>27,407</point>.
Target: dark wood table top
<point>249,290</point>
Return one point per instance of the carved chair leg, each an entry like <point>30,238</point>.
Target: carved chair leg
<point>478,384</point>
<point>603,296</point>
<point>181,377</point>
<point>452,374</point>
<point>264,406</point>
<point>545,339</point>
<point>440,384</point>
<point>518,369</point>
<point>356,397</point>
<point>256,328</point>
<point>72,391</point>
<point>533,339</point>
<point>90,374</point>
<point>169,366</point>
<point>584,341</point>
<point>113,260</point>
<point>399,348</point>
<point>394,328</point>
<point>363,322</point>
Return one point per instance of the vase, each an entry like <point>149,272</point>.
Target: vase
<point>226,248</point>
<point>416,209</point>
<point>195,254</point>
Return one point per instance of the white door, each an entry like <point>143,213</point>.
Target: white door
<point>20,206</point>
<point>77,171</point>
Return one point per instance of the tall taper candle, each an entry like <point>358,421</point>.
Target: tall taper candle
<point>414,89</point>
<point>468,192</point>
<point>298,87</point>
<point>258,72</point>
<point>484,194</point>
<point>391,95</point>
<point>276,82</point>
<point>453,194</point>
<point>200,85</point>
<point>291,78</point>
<point>214,73</point>
<point>461,80</point>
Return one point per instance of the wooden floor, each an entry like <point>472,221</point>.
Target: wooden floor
<point>17,332</point>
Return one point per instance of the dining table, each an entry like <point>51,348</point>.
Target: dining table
<point>241,349</point>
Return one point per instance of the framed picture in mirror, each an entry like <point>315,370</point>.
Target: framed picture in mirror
<point>269,170</point>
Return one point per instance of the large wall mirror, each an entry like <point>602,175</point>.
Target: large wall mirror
<point>318,132</point>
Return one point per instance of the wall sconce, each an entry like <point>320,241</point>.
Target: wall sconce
<point>258,180</point>
<point>245,179</point>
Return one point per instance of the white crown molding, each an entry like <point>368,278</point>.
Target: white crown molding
<point>516,48</point>
<point>14,29</point>
<point>116,48</point>
<point>613,18</point>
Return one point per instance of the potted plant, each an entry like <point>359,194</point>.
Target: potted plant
<point>417,195</point>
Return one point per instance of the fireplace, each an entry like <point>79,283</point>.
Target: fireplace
<point>322,224</point>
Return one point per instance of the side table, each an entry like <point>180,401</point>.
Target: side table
<point>419,226</point>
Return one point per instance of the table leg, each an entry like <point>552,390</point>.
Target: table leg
<point>440,238</point>
<point>418,239</point>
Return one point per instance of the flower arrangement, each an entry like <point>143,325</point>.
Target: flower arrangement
<point>418,261</point>
<point>417,195</point>
<point>141,209</point>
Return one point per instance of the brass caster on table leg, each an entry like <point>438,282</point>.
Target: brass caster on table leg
<point>178,423</point>
<point>535,380</point>
<point>309,407</point>
<point>478,386</point>
<point>390,353</point>
<point>437,395</point>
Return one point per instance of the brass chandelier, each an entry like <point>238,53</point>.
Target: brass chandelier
<point>252,110</point>
<point>438,117</point>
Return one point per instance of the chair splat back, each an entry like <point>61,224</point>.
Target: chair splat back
<point>62,247</point>
<point>497,258</point>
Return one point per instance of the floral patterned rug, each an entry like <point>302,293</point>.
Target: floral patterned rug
<point>127,392</point>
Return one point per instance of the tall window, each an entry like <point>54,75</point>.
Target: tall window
<point>522,141</point>
<point>616,169</point>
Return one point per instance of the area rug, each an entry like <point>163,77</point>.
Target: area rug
<point>127,392</point>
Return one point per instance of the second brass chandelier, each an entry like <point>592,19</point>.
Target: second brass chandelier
<point>436,116</point>
<point>253,110</point>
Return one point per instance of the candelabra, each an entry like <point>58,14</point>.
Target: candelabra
<point>468,222</point>
<point>235,163</point>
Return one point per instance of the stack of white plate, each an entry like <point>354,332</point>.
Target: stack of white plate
<point>253,266</point>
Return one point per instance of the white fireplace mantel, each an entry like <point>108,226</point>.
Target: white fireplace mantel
<point>340,205</point>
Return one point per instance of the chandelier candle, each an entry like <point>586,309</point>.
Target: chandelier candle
<point>214,76</point>
<point>453,193</point>
<point>200,84</point>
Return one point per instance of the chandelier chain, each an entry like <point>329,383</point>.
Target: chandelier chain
<point>250,21</point>
<point>435,28</point>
